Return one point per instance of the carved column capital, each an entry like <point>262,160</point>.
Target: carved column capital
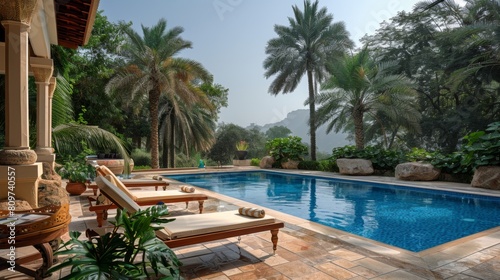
<point>52,86</point>
<point>18,10</point>
<point>42,69</point>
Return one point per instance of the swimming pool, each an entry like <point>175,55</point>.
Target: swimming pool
<point>410,218</point>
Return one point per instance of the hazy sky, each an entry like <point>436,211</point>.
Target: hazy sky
<point>229,38</point>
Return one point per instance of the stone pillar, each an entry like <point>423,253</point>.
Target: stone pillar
<point>42,69</point>
<point>16,149</point>
<point>16,17</point>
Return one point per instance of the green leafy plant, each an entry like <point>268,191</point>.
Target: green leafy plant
<point>419,154</point>
<point>255,162</point>
<point>242,145</point>
<point>482,147</point>
<point>309,165</point>
<point>284,149</point>
<point>76,170</point>
<point>381,159</point>
<point>127,252</point>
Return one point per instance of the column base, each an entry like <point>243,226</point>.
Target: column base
<point>17,157</point>
<point>21,182</point>
<point>46,158</point>
<point>44,151</point>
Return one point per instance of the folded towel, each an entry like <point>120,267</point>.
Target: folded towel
<point>159,178</point>
<point>187,189</point>
<point>252,212</point>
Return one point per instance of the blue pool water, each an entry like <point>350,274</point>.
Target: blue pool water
<point>410,218</point>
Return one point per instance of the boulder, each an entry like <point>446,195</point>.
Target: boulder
<point>266,162</point>
<point>354,166</point>
<point>487,177</point>
<point>290,164</point>
<point>18,205</point>
<point>417,171</point>
<point>50,192</point>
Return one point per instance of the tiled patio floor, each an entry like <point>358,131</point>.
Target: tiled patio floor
<point>311,251</point>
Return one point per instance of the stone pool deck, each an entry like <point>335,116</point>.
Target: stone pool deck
<point>307,250</point>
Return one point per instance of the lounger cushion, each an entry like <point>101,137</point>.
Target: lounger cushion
<point>103,170</point>
<point>140,196</point>
<point>107,185</point>
<point>192,225</point>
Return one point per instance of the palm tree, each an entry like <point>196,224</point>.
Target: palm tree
<point>193,126</point>
<point>359,86</point>
<point>304,47</point>
<point>152,70</point>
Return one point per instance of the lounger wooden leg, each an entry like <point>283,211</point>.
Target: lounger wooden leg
<point>200,205</point>
<point>156,188</point>
<point>274,239</point>
<point>94,191</point>
<point>100,217</point>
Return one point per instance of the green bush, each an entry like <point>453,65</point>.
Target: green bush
<point>380,158</point>
<point>255,162</point>
<point>482,147</point>
<point>283,149</point>
<point>450,163</point>
<point>309,165</point>
<point>141,157</point>
<point>328,165</point>
<point>418,154</point>
<point>141,167</point>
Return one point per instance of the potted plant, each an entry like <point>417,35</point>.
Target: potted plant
<point>287,152</point>
<point>241,150</point>
<point>77,172</point>
<point>130,251</point>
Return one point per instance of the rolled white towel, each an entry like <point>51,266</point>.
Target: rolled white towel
<point>252,212</point>
<point>187,189</point>
<point>159,178</point>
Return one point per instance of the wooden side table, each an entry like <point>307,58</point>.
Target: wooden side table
<point>43,234</point>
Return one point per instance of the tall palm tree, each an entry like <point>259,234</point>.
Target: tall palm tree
<point>152,70</point>
<point>359,86</point>
<point>304,47</point>
<point>193,126</point>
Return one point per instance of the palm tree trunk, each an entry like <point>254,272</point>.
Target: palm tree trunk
<point>312,114</point>
<point>154,100</point>
<point>172,140</point>
<point>357,116</point>
<point>164,158</point>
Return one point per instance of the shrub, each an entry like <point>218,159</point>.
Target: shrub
<point>450,163</point>
<point>141,167</point>
<point>328,165</point>
<point>309,165</point>
<point>380,158</point>
<point>141,157</point>
<point>482,147</point>
<point>418,154</point>
<point>283,149</point>
<point>255,162</point>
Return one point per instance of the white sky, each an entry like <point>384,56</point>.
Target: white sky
<point>229,38</point>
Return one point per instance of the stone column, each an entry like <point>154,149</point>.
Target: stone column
<point>16,15</point>
<point>18,169</point>
<point>42,69</point>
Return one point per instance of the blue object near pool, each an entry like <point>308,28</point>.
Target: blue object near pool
<point>410,218</point>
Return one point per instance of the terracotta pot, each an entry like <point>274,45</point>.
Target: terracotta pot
<point>75,188</point>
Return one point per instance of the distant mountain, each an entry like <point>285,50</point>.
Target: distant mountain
<point>296,121</point>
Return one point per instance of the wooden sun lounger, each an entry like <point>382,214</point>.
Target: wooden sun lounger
<point>129,183</point>
<point>142,198</point>
<point>136,183</point>
<point>189,229</point>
